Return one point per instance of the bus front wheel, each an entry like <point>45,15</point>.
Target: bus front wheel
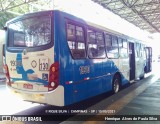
<point>116,84</point>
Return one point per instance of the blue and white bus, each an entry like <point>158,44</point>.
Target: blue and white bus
<point>55,58</point>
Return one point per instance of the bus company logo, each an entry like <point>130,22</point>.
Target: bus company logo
<point>6,118</point>
<point>84,69</point>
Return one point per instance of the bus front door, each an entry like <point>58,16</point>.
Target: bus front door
<point>132,61</point>
<point>148,67</point>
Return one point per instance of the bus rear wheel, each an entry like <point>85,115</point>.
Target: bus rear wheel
<point>116,84</point>
<point>142,77</point>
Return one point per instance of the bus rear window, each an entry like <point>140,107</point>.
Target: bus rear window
<point>30,32</point>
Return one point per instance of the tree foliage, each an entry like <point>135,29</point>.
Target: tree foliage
<point>13,8</point>
<point>4,17</point>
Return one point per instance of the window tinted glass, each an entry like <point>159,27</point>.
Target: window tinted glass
<point>91,36</point>
<point>30,32</point>
<point>79,34</point>
<point>123,48</point>
<point>137,50</point>
<point>111,46</point>
<point>125,44</point>
<point>96,47</point>
<point>120,42</point>
<point>76,41</point>
<point>70,32</point>
<point>114,41</point>
<point>108,39</point>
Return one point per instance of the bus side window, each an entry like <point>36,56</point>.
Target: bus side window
<point>137,50</point>
<point>71,33</point>
<point>141,50</point>
<point>96,47</point>
<point>111,46</point>
<point>123,48</point>
<point>76,41</point>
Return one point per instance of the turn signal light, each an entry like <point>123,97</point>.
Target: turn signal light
<point>53,69</point>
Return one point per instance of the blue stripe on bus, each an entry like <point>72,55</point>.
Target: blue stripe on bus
<point>20,70</point>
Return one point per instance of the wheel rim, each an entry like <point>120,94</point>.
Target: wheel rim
<point>116,86</point>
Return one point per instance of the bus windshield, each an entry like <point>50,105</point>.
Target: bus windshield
<point>30,32</point>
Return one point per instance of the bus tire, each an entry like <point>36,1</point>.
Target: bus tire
<point>116,84</point>
<point>142,77</point>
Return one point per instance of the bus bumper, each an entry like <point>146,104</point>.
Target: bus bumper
<point>55,97</point>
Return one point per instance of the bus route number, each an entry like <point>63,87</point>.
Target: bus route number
<point>43,64</point>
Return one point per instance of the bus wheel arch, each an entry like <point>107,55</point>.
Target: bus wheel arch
<point>116,83</point>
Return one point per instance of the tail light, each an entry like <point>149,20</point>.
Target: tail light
<point>7,75</point>
<point>53,76</point>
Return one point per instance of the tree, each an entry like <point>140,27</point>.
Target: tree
<point>4,17</point>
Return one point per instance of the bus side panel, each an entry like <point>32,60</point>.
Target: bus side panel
<point>62,56</point>
<point>99,79</point>
<point>124,69</point>
<point>139,67</point>
<point>82,78</point>
<point>95,82</point>
<point>139,64</point>
<point>78,84</point>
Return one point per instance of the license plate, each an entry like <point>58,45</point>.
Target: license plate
<point>43,64</point>
<point>28,86</point>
